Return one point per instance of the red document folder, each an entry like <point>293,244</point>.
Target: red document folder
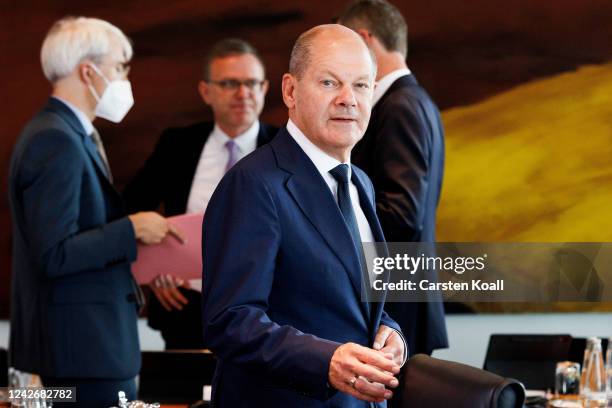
<point>172,257</point>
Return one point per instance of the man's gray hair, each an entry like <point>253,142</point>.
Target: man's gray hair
<point>380,18</point>
<point>72,40</point>
<point>300,54</point>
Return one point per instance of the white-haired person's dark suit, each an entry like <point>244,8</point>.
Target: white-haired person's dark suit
<point>73,298</point>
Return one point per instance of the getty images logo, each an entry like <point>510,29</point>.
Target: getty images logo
<point>412,264</point>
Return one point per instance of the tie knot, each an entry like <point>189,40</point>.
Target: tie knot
<point>96,137</point>
<point>231,145</point>
<point>340,173</point>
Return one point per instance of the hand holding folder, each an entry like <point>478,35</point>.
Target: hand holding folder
<point>171,257</point>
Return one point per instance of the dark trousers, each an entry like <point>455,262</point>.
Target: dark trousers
<point>92,392</point>
<point>181,329</point>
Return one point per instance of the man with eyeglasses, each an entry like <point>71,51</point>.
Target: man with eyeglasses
<point>74,302</point>
<point>188,162</point>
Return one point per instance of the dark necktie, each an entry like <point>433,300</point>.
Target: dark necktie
<point>341,174</point>
<point>102,152</point>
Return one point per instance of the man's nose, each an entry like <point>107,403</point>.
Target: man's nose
<point>243,91</point>
<point>346,97</point>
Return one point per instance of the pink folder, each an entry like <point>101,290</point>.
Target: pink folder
<point>172,257</point>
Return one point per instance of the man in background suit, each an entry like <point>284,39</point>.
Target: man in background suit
<point>188,163</point>
<point>282,237</point>
<point>74,302</point>
<point>403,153</point>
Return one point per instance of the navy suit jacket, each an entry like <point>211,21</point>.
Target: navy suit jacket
<point>281,280</point>
<point>73,310</point>
<point>403,153</point>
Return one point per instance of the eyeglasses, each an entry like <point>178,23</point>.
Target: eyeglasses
<point>122,68</point>
<point>234,84</point>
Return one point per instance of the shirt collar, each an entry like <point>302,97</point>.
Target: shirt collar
<point>83,119</point>
<point>385,83</point>
<point>322,161</point>
<point>246,141</point>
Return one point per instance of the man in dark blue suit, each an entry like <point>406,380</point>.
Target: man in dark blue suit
<point>282,274</point>
<point>74,302</point>
<point>403,153</point>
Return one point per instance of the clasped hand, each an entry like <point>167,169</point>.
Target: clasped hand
<point>366,373</point>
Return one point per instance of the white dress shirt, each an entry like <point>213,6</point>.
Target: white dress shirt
<point>324,163</point>
<point>385,82</point>
<point>213,160</point>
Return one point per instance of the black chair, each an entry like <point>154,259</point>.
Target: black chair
<point>429,382</point>
<point>175,376</point>
<point>530,358</point>
<point>3,368</point>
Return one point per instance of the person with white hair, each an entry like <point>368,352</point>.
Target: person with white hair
<point>74,303</point>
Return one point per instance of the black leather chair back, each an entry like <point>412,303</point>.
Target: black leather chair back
<point>429,382</point>
<point>530,358</point>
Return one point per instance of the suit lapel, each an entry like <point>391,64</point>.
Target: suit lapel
<point>313,197</point>
<point>366,203</point>
<point>70,118</point>
<point>100,169</point>
<point>92,150</point>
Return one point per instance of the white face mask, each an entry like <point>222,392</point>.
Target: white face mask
<point>116,100</point>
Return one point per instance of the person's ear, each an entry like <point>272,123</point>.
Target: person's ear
<point>366,36</point>
<point>86,73</point>
<point>288,90</point>
<point>204,91</point>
